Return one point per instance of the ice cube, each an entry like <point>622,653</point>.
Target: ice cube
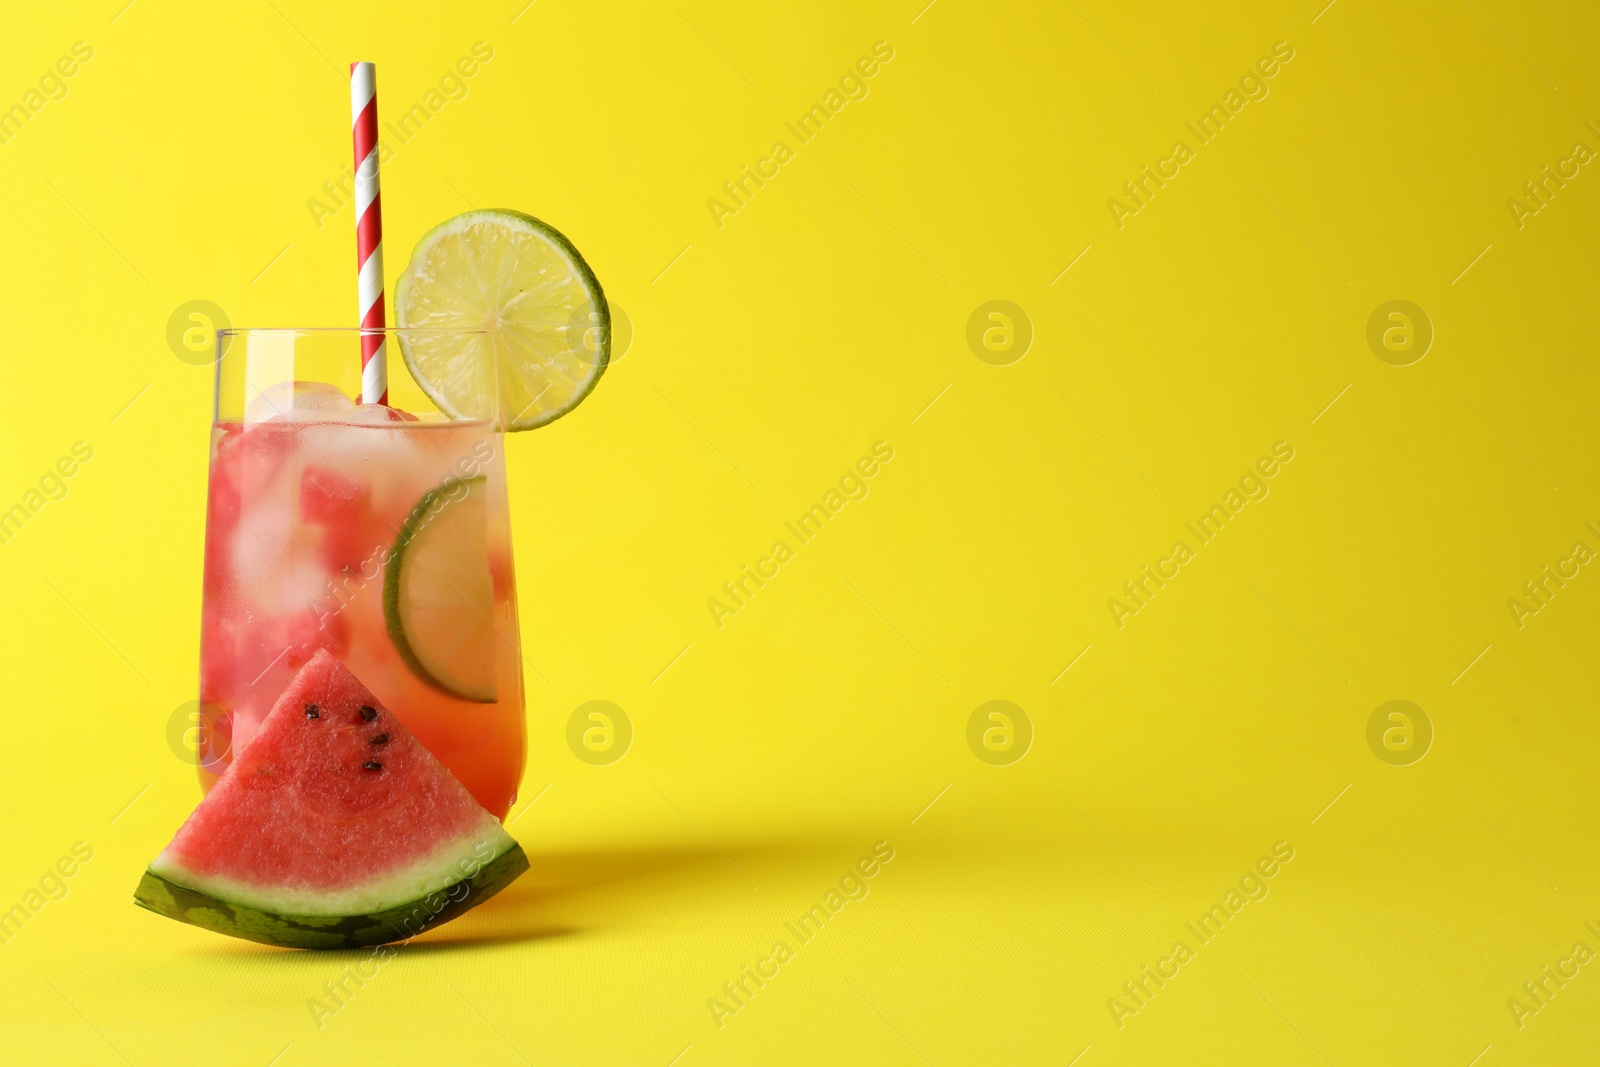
<point>299,402</point>
<point>371,452</point>
<point>263,542</point>
<point>380,413</point>
<point>297,585</point>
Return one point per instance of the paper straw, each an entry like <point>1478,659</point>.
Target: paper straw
<point>369,232</point>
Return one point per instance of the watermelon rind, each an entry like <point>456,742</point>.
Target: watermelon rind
<point>398,923</point>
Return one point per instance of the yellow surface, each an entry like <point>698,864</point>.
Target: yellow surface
<point>774,345</point>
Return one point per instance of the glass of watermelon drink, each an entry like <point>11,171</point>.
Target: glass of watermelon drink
<point>351,543</point>
<point>379,533</point>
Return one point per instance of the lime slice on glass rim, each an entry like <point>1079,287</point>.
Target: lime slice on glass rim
<point>547,328</point>
<point>438,596</point>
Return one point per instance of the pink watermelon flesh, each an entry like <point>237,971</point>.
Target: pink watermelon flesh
<point>331,818</point>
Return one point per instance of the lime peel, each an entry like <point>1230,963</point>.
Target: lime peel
<point>438,595</point>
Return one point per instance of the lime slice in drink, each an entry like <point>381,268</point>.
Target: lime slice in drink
<point>438,598</point>
<point>547,329</point>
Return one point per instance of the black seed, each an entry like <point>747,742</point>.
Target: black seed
<point>381,739</point>
<point>368,713</point>
<point>313,712</point>
<point>372,765</point>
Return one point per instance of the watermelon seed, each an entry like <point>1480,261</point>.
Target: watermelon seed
<point>368,713</point>
<point>372,766</point>
<point>381,739</point>
<point>312,712</point>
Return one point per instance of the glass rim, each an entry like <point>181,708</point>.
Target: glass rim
<point>364,331</point>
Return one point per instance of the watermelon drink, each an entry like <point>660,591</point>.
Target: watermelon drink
<point>361,730</point>
<point>377,534</point>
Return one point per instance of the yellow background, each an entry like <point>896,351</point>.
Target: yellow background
<point>825,716</point>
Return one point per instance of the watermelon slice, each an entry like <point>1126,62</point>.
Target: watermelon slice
<point>334,828</point>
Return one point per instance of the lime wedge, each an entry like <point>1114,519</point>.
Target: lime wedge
<point>547,329</point>
<point>438,598</point>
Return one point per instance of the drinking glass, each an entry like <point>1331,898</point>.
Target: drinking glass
<point>379,533</point>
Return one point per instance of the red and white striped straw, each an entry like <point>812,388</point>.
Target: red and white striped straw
<point>369,232</point>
